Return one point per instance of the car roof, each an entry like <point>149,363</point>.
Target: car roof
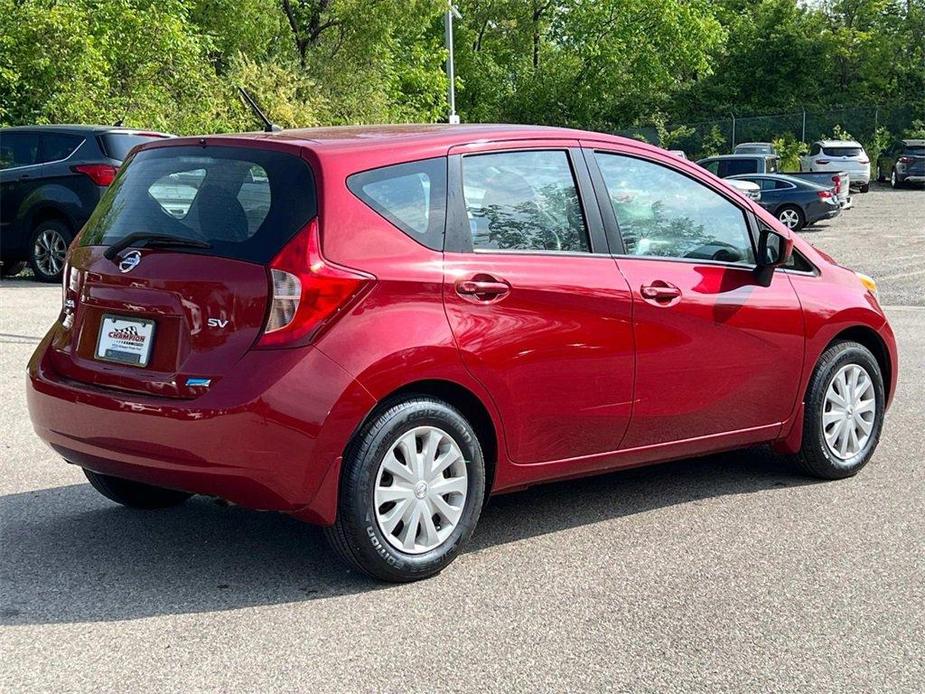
<point>754,144</point>
<point>436,134</point>
<point>777,177</point>
<point>81,129</point>
<point>914,143</point>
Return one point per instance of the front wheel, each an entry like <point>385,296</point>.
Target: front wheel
<point>894,180</point>
<point>411,491</point>
<point>844,410</point>
<point>134,494</point>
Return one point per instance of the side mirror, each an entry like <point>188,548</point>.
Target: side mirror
<point>774,250</point>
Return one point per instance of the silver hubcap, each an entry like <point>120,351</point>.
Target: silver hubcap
<point>50,249</point>
<point>789,218</point>
<point>893,177</point>
<point>421,490</point>
<point>849,411</point>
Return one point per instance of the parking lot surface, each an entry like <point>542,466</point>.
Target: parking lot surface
<point>726,573</point>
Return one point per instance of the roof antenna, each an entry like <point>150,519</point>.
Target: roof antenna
<point>268,125</point>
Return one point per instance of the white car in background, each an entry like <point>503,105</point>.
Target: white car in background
<point>839,155</point>
<point>750,190</point>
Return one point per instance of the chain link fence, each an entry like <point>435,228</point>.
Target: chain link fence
<point>720,135</point>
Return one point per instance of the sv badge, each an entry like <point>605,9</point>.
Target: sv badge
<point>217,323</point>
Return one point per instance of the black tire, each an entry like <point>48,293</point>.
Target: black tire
<point>865,187</point>
<point>135,494</point>
<point>356,536</point>
<point>801,218</point>
<point>57,232</point>
<point>894,180</point>
<point>815,458</point>
<point>12,269</point>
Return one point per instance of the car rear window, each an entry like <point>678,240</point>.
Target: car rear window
<point>117,145</point>
<point>915,151</point>
<point>412,196</point>
<point>842,151</point>
<point>246,202</point>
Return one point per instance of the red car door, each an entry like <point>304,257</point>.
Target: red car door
<point>538,308</point>
<point>718,355</point>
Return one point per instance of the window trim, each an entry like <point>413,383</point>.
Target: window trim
<point>616,240</point>
<point>458,236</point>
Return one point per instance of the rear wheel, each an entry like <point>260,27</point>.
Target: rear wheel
<point>134,494</point>
<point>411,491</point>
<point>865,187</point>
<point>49,249</point>
<point>844,412</point>
<point>894,180</point>
<point>791,217</point>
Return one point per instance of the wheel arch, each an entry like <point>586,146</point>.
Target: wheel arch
<point>871,339</point>
<point>47,213</point>
<point>464,400</point>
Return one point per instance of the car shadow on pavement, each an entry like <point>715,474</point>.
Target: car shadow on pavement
<point>70,556</point>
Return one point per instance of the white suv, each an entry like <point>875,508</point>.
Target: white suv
<point>839,155</point>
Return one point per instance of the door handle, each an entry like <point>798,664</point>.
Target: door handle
<point>660,293</point>
<point>483,289</point>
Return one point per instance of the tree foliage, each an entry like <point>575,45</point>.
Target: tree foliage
<point>601,64</point>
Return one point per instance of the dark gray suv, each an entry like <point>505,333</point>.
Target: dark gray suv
<point>51,178</point>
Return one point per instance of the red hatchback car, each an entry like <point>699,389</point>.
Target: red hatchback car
<point>374,328</point>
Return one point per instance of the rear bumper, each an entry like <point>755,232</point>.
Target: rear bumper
<point>914,178</point>
<point>269,436</point>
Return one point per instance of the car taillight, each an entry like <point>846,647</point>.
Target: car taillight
<point>307,291</point>
<point>100,174</point>
<point>905,160</point>
<point>824,194</point>
<point>836,180</point>
<point>822,161</point>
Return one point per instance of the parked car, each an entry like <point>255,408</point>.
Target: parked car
<point>754,148</point>
<point>795,202</point>
<point>51,178</point>
<point>747,188</point>
<point>725,165</point>
<point>903,163</point>
<point>839,155</point>
<point>397,321</point>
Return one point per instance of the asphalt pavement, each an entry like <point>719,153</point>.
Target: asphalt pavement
<point>725,573</point>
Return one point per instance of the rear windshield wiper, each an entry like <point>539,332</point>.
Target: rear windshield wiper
<point>152,239</point>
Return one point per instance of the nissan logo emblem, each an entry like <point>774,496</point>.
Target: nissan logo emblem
<point>129,261</point>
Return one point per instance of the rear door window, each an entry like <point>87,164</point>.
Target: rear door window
<point>525,201</point>
<point>246,202</point>
<point>412,196</point>
<point>18,148</point>
<point>58,146</point>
